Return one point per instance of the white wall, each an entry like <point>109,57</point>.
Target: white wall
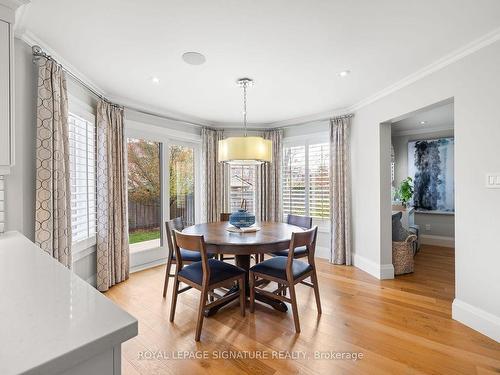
<point>474,83</point>
<point>20,184</point>
<point>441,225</point>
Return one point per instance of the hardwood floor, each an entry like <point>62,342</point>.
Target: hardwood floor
<point>400,326</point>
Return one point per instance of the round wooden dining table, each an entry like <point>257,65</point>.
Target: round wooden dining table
<point>270,238</point>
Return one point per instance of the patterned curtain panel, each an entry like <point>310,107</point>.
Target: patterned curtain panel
<point>215,176</point>
<point>53,193</point>
<point>112,227</point>
<point>270,205</point>
<point>340,202</point>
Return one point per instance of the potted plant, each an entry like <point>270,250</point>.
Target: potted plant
<point>405,191</point>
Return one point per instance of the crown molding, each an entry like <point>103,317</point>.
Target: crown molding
<point>309,118</point>
<point>148,110</point>
<point>31,39</point>
<point>439,64</point>
<point>422,130</point>
<point>20,12</point>
<point>468,49</point>
<point>13,4</point>
<point>9,9</point>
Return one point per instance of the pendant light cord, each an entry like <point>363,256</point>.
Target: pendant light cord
<point>245,106</point>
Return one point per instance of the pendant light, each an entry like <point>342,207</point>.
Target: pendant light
<point>245,150</point>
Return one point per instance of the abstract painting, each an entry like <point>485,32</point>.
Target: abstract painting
<point>430,164</point>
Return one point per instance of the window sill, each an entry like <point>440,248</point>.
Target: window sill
<point>83,248</point>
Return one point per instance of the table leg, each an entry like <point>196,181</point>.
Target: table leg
<point>243,261</point>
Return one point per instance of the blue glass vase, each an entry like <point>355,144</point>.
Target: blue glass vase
<point>241,218</point>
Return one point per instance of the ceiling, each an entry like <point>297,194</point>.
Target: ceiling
<point>436,118</point>
<point>293,49</point>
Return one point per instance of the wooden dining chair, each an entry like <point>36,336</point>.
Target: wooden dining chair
<point>224,216</point>
<point>304,222</point>
<point>287,272</point>
<point>188,257</point>
<point>205,276</point>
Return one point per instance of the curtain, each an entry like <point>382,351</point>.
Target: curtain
<point>340,204</point>
<point>53,192</point>
<point>215,175</point>
<point>112,227</point>
<point>270,207</point>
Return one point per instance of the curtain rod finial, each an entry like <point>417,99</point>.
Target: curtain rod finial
<point>36,49</point>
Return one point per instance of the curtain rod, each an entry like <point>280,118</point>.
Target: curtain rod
<point>39,52</point>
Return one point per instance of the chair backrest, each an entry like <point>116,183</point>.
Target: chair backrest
<point>306,238</point>
<point>224,216</point>
<point>305,222</point>
<point>191,242</point>
<point>170,226</point>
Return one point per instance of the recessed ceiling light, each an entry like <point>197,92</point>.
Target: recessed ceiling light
<point>154,80</point>
<point>193,58</point>
<point>344,73</point>
<point>423,122</point>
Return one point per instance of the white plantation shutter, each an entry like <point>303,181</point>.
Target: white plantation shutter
<point>294,180</point>
<point>305,180</point>
<point>319,181</point>
<point>82,178</point>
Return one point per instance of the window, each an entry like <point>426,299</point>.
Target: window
<point>82,168</point>
<point>242,186</point>
<point>181,182</point>
<point>294,180</point>
<point>319,181</point>
<point>306,181</point>
<point>162,175</point>
<point>144,193</point>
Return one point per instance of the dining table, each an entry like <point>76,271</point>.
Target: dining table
<point>270,237</point>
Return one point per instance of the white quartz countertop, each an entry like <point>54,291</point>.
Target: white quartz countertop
<point>50,319</point>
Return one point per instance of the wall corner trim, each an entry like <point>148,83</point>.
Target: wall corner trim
<point>476,318</point>
<point>380,271</point>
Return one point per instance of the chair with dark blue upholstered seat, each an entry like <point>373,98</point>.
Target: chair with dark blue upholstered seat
<point>287,272</point>
<point>187,256</point>
<point>205,276</point>
<point>304,222</point>
<point>224,216</point>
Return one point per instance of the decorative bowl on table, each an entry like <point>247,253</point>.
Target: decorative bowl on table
<point>242,218</point>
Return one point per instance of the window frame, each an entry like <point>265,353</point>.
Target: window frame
<point>255,189</point>
<point>166,136</point>
<point>87,112</point>
<point>306,141</point>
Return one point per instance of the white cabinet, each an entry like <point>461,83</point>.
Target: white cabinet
<point>6,89</point>
<point>52,321</point>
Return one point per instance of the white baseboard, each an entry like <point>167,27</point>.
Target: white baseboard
<point>141,267</point>
<point>476,318</point>
<point>429,239</point>
<point>380,271</point>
